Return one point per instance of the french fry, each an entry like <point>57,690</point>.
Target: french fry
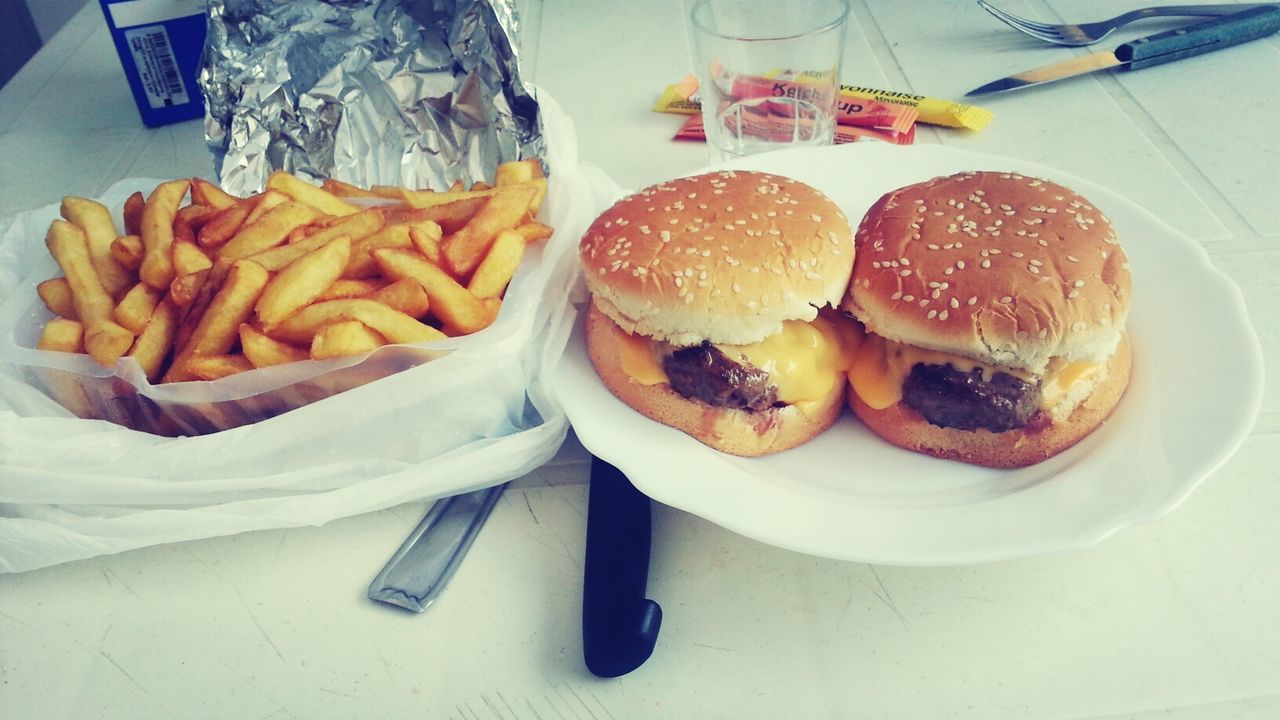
<point>264,351</point>
<point>361,264</point>
<point>389,192</point>
<point>134,310</point>
<point>450,301</point>
<point>499,265</point>
<point>430,198</point>
<point>345,288</point>
<point>132,211</point>
<point>185,288</point>
<point>55,293</point>
<point>354,226</point>
<point>188,221</point>
<point>450,216</point>
<point>216,367</point>
<point>209,283</point>
<point>346,190</point>
<point>301,327</point>
<point>267,200</point>
<point>491,305</point>
<point>302,281</point>
<point>157,232</point>
<point>540,193</point>
<point>308,194</point>
<point>104,339</point>
<point>128,251</point>
<point>219,327</point>
<point>268,231</point>
<point>342,339</point>
<point>516,172</point>
<point>62,335</point>
<point>206,193</point>
<point>425,236</point>
<point>464,249</point>
<point>407,295</point>
<point>99,230</point>
<point>189,258</point>
<point>534,232</point>
<point>225,223</point>
<point>154,343</point>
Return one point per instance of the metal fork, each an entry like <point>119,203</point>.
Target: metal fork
<point>1089,33</point>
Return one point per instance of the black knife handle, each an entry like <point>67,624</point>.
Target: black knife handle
<point>1201,38</point>
<point>619,625</point>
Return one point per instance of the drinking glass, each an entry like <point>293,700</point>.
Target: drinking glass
<point>769,72</point>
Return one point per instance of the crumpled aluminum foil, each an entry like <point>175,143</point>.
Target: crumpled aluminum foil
<point>417,93</point>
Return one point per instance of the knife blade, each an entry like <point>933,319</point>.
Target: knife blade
<point>1185,42</point>
<point>419,570</point>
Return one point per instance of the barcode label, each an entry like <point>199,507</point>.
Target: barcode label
<point>157,69</point>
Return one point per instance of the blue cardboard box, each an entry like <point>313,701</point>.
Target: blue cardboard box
<point>160,43</point>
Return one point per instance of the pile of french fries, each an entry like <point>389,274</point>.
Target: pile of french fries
<point>220,285</point>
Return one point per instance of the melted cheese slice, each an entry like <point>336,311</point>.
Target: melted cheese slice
<point>804,361</point>
<point>881,366</point>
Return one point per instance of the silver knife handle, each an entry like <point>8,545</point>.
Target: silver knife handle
<point>1213,10</point>
<point>424,563</point>
<point>1201,38</point>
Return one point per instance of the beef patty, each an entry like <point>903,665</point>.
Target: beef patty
<point>706,374</point>
<point>952,398</point>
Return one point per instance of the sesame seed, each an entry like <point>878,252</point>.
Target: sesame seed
<point>1078,283</point>
<point>932,314</point>
<point>955,303</point>
<point>908,298</point>
<point>1006,300</point>
<point>904,273</point>
<point>942,315</point>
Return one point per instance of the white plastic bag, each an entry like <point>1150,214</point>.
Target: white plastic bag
<point>73,488</point>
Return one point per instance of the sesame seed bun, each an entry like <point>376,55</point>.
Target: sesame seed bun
<point>737,432</point>
<point>998,267</point>
<point>904,427</point>
<point>723,257</point>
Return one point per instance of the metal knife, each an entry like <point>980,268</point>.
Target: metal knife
<point>1185,42</point>
<point>419,570</point>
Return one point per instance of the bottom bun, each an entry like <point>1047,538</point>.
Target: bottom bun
<point>736,432</point>
<point>904,427</point>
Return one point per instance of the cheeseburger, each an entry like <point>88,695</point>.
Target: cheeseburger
<point>994,306</point>
<point>705,298</point>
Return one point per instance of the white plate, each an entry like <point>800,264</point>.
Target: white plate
<point>849,495</point>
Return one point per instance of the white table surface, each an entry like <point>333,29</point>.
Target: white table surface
<point>1176,619</point>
